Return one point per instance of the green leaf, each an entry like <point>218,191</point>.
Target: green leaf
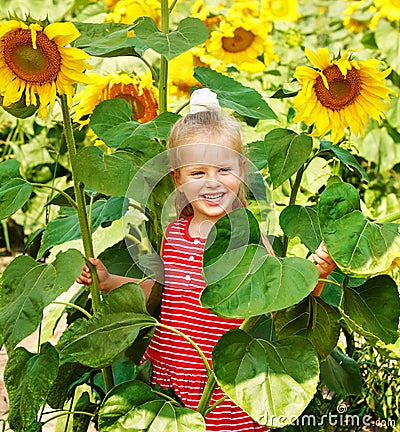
<point>231,94</point>
<point>358,246</point>
<point>312,318</point>
<point>303,222</point>
<point>286,152</point>
<point>373,309</point>
<point>272,381</point>
<point>235,229</point>
<point>64,229</point>
<point>122,314</point>
<point>113,122</point>
<point>108,40</point>
<point>13,195</point>
<point>258,154</point>
<point>248,282</point>
<point>9,169</point>
<point>107,174</point>
<point>344,156</point>
<point>28,287</point>
<point>28,378</point>
<point>67,379</point>
<point>190,32</point>
<point>133,406</point>
<point>341,374</point>
<point>387,37</point>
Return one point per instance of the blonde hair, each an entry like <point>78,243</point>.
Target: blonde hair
<point>211,124</point>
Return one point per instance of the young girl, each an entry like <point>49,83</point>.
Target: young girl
<point>208,166</point>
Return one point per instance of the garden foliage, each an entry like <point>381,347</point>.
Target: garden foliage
<point>73,195</point>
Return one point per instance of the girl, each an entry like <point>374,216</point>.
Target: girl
<point>208,166</point>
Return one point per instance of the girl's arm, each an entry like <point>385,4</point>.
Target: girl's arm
<point>109,281</point>
<point>325,266</point>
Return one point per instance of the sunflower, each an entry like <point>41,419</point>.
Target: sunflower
<point>126,11</point>
<point>240,40</point>
<point>34,62</point>
<point>359,16</point>
<point>280,10</point>
<point>180,73</point>
<point>137,90</point>
<point>389,9</point>
<point>342,94</point>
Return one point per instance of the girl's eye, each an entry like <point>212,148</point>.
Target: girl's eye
<point>197,173</point>
<point>225,169</point>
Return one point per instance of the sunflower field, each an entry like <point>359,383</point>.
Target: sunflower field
<point>89,90</point>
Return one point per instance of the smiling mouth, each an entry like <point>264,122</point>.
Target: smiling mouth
<point>214,197</point>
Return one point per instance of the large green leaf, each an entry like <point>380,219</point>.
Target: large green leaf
<point>28,287</point>
<point>190,32</point>
<point>344,156</point>
<point>66,228</point>
<point>108,40</point>
<point>248,281</point>
<point>358,246</point>
<point>272,381</point>
<point>286,152</point>
<point>68,378</point>
<point>387,37</point>
<point>9,169</point>
<point>133,406</point>
<point>235,229</point>
<point>303,222</point>
<point>244,100</point>
<point>373,309</point>
<point>116,325</point>
<point>341,374</point>
<point>312,318</point>
<point>109,174</point>
<point>28,378</point>
<point>13,195</point>
<point>113,123</point>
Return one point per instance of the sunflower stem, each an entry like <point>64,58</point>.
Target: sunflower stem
<point>83,220</point>
<point>163,81</point>
<point>292,201</point>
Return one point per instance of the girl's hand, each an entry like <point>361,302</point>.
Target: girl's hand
<point>102,273</point>
<point>325,263</point>
<point>325,266</point>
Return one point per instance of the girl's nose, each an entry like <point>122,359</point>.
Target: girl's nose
<point>211,181</point>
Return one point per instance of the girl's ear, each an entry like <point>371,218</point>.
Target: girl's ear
<point>175,175</point>
<point>243,169</point>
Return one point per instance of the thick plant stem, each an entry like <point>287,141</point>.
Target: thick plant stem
<point>83,221</point>
<point>207,395</point>
<point>204,404</point>
<point>163,81</point>
<point>292,201</point>
<point>80,200</point>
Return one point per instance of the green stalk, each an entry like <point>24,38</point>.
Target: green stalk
<point>292,201</point>
<point>393,217</point>
<point>204,405</point>
<point>61,192</point>
<point>83,221</point>
<point>208,392</point>
<point>162,84</point>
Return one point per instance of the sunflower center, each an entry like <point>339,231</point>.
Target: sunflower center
<point>279,8</point>
<point>342,91</point>
<point>128,92</point>
<point>35,66</point>
<point>241,40</point>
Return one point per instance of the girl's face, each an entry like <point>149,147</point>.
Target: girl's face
<point>210,176</point>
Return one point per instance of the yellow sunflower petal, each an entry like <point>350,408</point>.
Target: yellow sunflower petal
<point>321,59</point>
<point>62,33</point>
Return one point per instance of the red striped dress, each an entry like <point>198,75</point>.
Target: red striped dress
<point>175,362</point>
